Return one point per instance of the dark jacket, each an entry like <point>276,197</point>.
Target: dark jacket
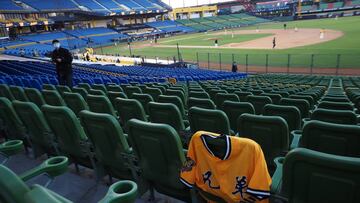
<point>64,67</point>
<point>234,67</point>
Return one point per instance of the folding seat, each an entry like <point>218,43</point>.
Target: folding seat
<point>154,92</point>
<point>275,98</point>
<point>335,99</point>
<point>242,95</point>
<point>5,92</point>
<point>283,94</point>
<point>309,176</point>
<point>10,122</point>
<point>40,134</point>
<point>258,102</point>
<point>335,116</point>
<point>142,87</point>
<point>270,132</point>
<point>201,95</point>
<point>114,88</point>
<point>96,92</point>
<point>209,120</point>
<point>62,89</point>
<point>291,114</point>
<point>53,98</point>
<point>336,105</point>
<point>71,138</point>
<point>308,98</point>
<point>49,87</point>
<point>18,93</point>
<point>86,86</point>
<point>302,104</point>
<point>331,138</point>
<point>81,91</point>
<point>167,113</point>
<point>99,87</point>
<point>221,97</point>
<point>100,104</point>
<point>202,103</point>
<point>213,93</point>
<point>113,95</point>
<point>75,102</point>
<point>144,99</point>
<point>256,92</point>
<point>110,145</point>
<point>129,90</point>
<point>128,109</point>
<point>158,148</point>
<point>162,88</point>
<point>177,93</point>
<point>235,109</point>
<point>176,101</point>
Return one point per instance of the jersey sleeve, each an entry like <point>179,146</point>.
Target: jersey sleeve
<point>259,185</point>
<point>188,170</point>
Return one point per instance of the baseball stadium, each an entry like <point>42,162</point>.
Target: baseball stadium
<point>123,101</point>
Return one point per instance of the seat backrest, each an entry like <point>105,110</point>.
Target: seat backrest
<point>34,120</point>
<point>81,91</point>
<point>258,102</point>
<point>166,113</point>
<point>213,93</point>
<point>159,150</point>
<point>291,114</point>
<point>18,93</point>
<point>178,93</point>
<point>35,96</point>
<point>113,95</point>
<point>331,138</point>
<point>210,120</point>
<point>75,102</point>
<point>310,176</point>
<point>242,95</point>
<point>302,104</point>
<point>128,109</point>
<point>235,109</point>
<point>336,105</point>
<point>5,92</point>
<point>144,99</point>
<point>336,99</point>
<point>129,90</point>
<point>86,86</point>
<point>154,92</point>
<point>270,132</point>
<point>99,87</point>
<point>9,118</point>
<point>13,189</point>
<point>308,98</point>
<point>201,103</point>
<point>67,129</point>
<point>221,97</point>
<point>100,104</point>
<point>96,92</point>
<point>173,100</point>
<point>53,98</point>
<point>49,87</point>
<point>274,97</point>
<point>62,89</point>
<point>107,137</point>
<point>335,116</point>
<point>114,88</point>
<point>201,95</point>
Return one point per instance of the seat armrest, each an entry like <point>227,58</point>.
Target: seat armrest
<point>304,121</point>
<point>121,191</point>
<point>54,166</point>
<point>41,194</point>
<point>296,135</point>
<point>11,147</point>
<point>277,176</point>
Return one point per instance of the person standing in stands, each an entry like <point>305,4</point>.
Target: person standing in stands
<point>274,42</point>
<point>62,59</point>
<point>234,67</point>
<point>216,43</point>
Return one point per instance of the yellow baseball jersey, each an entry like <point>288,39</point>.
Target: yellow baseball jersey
<point>241,175</point>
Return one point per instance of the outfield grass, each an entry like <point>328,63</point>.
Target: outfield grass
<point>325,54</point>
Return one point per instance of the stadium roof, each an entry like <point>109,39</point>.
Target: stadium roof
<point>188,3</point>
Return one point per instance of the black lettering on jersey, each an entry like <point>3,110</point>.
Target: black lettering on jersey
<point>206,179</point>
<point>240,186</point>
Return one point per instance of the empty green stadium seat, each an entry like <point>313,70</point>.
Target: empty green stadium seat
<point>99,87</point>
<point>201,103</point>
<point>75,102</point>
<point>49,87</point>
<point>5,92</point>
<point>177,93</point>
<point>96,92</point>
<point>258,102</point>
<point>11,123</point>
<point>113,95</point>
<point>302,104</point>
<point>128,109</point>
<point>35,96</point>
<point>166,113</point>
<point>109,141</point>
<point>86,86</point>
<point>176,101</point>
<point>100,104</point>
<point>144,99</point>
<point>129,90</point>
<point>335,116</point>
<point>53,98</point>
<point>81,91</point>
<point>270,132</point>
<point>18,93</point>
<point>235,109</point>
<point>62,89</point>
<point>308,98</point>
<point>201,95</point>
<point>40,134</point>
<point>242,95</point>
<point>336,105</point>
<point>159,150</point>
<point>209,120</point>
<point>114,88</point>
<point>275,98</point>
<point>154,92</point>
<point>221,97</point>
<point>291,114</point>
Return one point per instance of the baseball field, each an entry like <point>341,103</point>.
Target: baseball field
<point>299,48</point>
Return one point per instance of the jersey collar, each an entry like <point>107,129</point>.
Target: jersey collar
<point>228,144</point>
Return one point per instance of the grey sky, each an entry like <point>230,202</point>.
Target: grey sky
<point>187,3</point>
